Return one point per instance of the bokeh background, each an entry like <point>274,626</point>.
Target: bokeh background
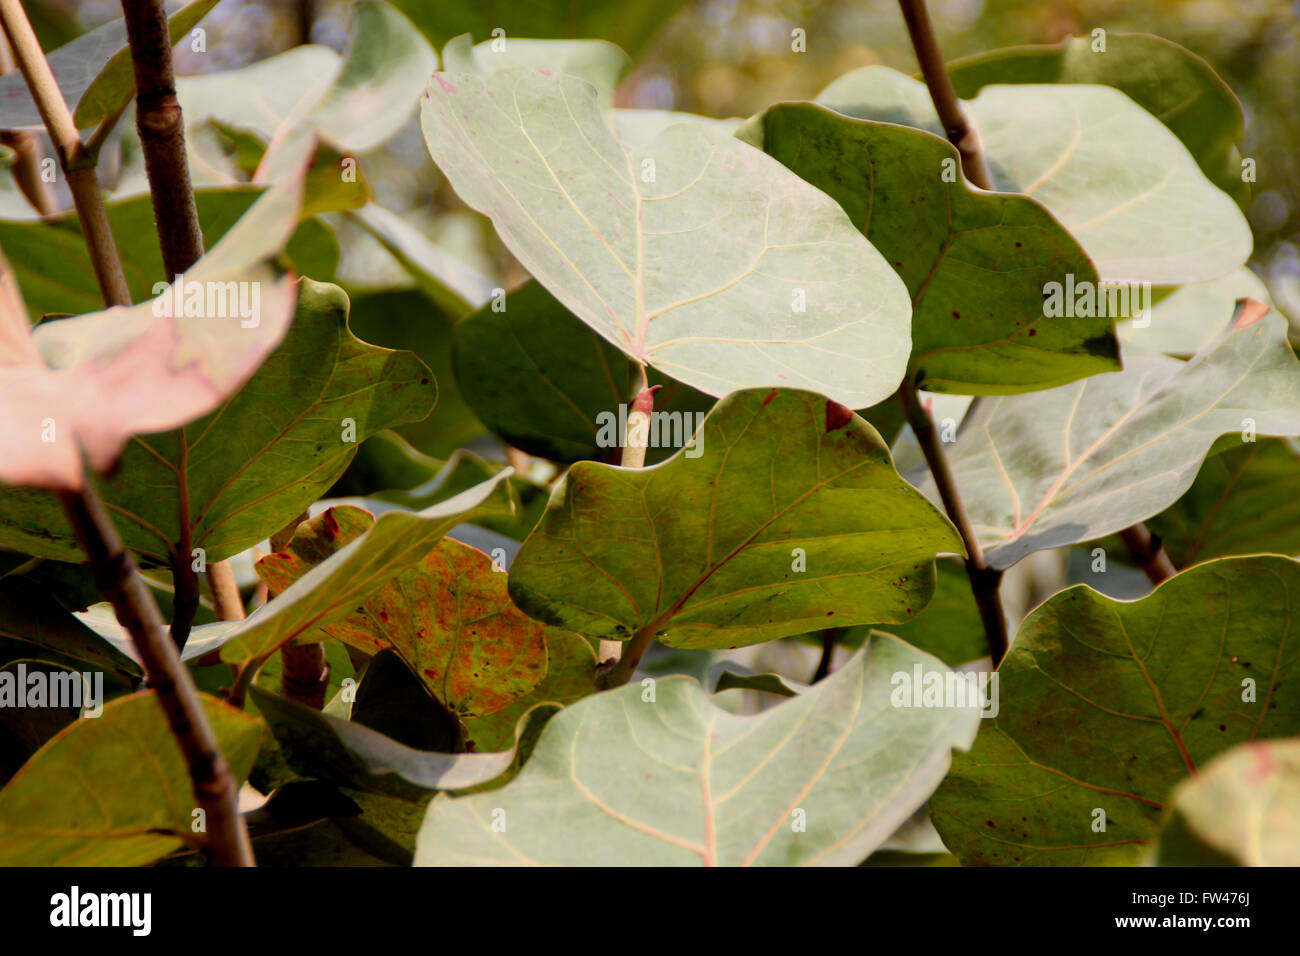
<point>733,57</point>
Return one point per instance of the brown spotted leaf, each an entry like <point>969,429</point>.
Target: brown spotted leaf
<point>447,615</point>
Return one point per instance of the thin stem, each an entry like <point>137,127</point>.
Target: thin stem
<point>27,154</point>
<point>162,135</point>
<point>115,571</point>
<point>632,456</point>
<point>1147,553</point>
<point>830,640</point>
<point>225,591</point>
<point>305,676</point>
<point>960,133</point>
<point>618,672</point>
<point>119,580</point>
<point>984,580</point>
<point>77,166</point>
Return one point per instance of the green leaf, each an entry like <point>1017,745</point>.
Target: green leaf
<point>675,780</point>
<point>709,548</point>
<point>975,263</point>
<point>696,254</point>
<point>541,380</point>
<point>259,460</point>
<point>629,25</point>
<point>1242,810</point>
<point>406,319</point>
<point>336,587</point>
<point>449,283</point>
<point>94,71</point>
<point>1108,170</point>
<point>767,683</point>
<point>1172,83</point>
<point>597,62</point>
<point>446,614</point>
<point>25,729</point>
<point>348,753</point>
<point>30,614</point>
<point>1078,462</point>
<point>570,676</point>
<point>1241,502</point>
<point>1106,705</point>
<point>949,626</point>
<point>414,481</point>
<point>1190,317</point>
<point>113,790</point>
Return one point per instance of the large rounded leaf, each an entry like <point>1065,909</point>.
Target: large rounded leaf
<point>785,515</point>
<point>975,263</point>
<point>695,253</point>
<point>668,778</point>
<point>1106,705</point>
<point>1078,462</point>
<point>1112,173</point>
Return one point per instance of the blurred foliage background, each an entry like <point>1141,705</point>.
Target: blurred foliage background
<point>733,57</point>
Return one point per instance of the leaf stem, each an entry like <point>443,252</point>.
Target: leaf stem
<point>960,133</point>
<point>984,580</point>
<point>1147,553</point>
<point>830,640</point>
<point>613,655</point>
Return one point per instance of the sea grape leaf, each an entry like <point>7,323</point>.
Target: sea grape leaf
<point>598,62</point>
<point>1081,461</point>
<point>415,481</point>
<point>451,284</point>
<point>64,393</point>
<point>247,469</point>
<point>728,679</point>
<point>24,730</point>
<point>540,378</point>
<point>636,129</point>
<point>94,71</point>
<point>681,781</point>
<point>341,583</point>
<point>1108,704</point>
<point>1242,502</point>
<point>446,614</point>
<point>976,264</point>
<point>1143,213</point>
<point>1242,810</point>
<point>949,626</point>
<point>570,676</point>
<point>351,754</point>
<point>1172,83</point>
<point>32,615</point>
<point>406,319</point>
<point>697,254</point>
<point>1190,317</point>
<point>629,25</point>
<point>113,790</point>
<point>789,516</point>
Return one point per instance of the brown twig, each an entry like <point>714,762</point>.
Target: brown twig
<point>984,580</point>
<point>27,154</point>
<point>960,133</point>
<point>305,676</point>
<point>225,592</point>
<point>162,135</point>
<point>115,571</point>
<point>77,166</point>
<point>830,640</point>
<point>118,579</point>
<point>1147,553</point>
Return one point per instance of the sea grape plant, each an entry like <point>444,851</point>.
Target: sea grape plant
<point>387,560</point>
